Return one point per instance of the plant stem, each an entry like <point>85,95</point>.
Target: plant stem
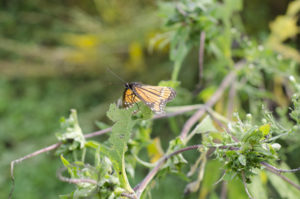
<point>280,170</point>
<point>142,185</point>
<point>215,97</point>
<point>245,185</point>
<point>284,178</point>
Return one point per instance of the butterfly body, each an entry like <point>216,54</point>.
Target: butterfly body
<point>155,97</point>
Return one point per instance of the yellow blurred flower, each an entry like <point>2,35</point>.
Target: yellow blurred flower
<point>136,56</point>
<point>85,41</point>
<point>155,151</point>
<point>284,27</point>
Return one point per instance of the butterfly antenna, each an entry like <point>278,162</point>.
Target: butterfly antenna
<point>117,76</point>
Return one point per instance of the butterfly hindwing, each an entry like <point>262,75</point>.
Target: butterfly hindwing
<point>129,98</point>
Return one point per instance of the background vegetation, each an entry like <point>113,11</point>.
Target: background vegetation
<point>54,56</point>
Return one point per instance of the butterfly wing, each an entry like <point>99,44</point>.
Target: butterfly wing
<point>129,98</point>
<point>156,97</point>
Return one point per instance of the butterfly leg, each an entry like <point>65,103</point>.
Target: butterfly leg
<point>136,102</point>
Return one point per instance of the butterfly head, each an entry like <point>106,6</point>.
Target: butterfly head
<point>131,85</point>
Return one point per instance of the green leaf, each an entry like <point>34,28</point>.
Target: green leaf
<point>242,159</point>
<point>265,129</point>
<point>170,83</point>
<point>206,125</point>
<point>257,188</point>
<point>92,144</point>
<point>101,125</point>
<point>64,161</point>
<point>71,131</point>
<point>118,139</point>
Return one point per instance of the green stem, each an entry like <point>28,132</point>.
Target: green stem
<point>176,70</point>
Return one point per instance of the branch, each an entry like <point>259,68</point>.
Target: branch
<point>224,190</point>
<point>222,125</point>
<point>245,185</point>
<point>83,180</point>
<point>284,178</point>
<point>142,185</point>
<point>43,150</point>
<point>50,148</point>
<point>280,170</point>
<point>201,55</point>
<point>216,96</point>
<point>180,110</point>
<point>101,132</point>
<point>73,180</point>
<point>230,106</point>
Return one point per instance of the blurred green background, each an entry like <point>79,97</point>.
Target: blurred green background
<point>54,56</point>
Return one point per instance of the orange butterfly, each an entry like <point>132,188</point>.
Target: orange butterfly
<point>155,97</point>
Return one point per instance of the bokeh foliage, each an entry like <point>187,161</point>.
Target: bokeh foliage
<point>53,57</point>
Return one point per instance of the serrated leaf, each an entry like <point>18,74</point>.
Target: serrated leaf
<point>206,125</point>
<point>118,139</point>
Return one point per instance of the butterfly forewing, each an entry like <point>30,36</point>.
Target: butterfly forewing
<point>155,97</point>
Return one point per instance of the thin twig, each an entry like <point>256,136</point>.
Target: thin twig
<point>221,179</point>
<point>43,150</point>
<point>245,185</point>
<point>83,180</point>
<point>230,106</point>
<point>284,178</point>
<point>97,133</point>
<point>222,125</point>
<point>141,186</point>
<point>216,96</point>
<point>128,195</point>
<point>224,190</point>
<point>201,56</point>
<point>280,170</point>
<point>73,180</point>
<point>181,110</point>
<point>50,148</point>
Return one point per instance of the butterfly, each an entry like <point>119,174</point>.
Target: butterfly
<point>155,97</point>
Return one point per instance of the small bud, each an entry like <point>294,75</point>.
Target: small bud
<point>235,114</point>
<point>249,116</point>
<point>260,48</point>
<point>264,121</point>
<point>292,78</point>
<point>276,146</point>
<point>230,127</point>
